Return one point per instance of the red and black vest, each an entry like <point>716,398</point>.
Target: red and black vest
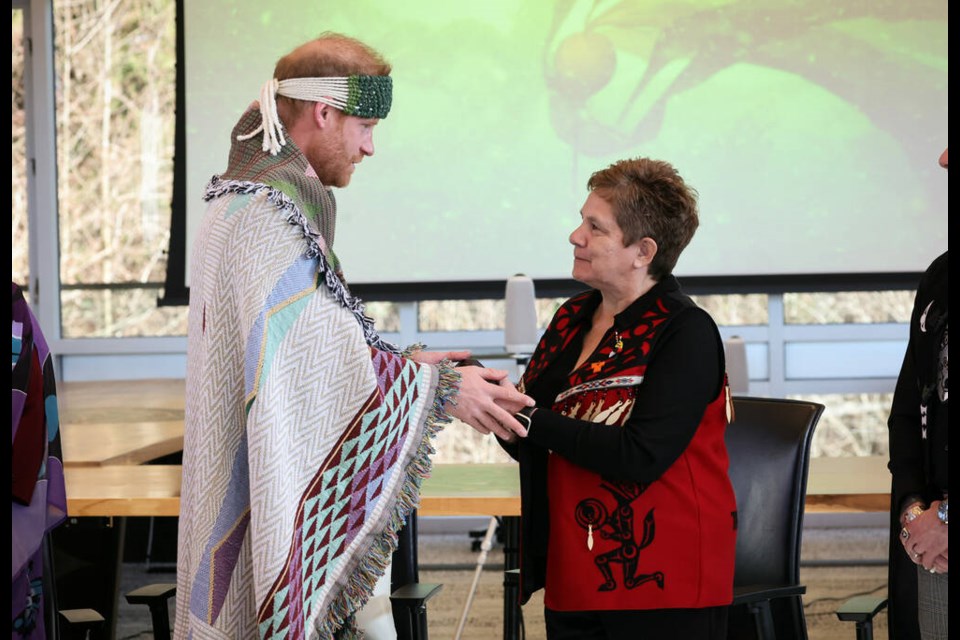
<point>623,545</point>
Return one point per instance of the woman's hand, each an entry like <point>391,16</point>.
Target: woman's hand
<point>925,540</point>
<point>487,407</point>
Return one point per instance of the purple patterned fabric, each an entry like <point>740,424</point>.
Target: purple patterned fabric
<point>39,497</point>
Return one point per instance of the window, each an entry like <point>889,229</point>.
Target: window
<point>115,90</point>
<point>848,307</point>
<point>853,424</point>
<point>20,271</point>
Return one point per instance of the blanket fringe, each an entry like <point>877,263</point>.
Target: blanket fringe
<point>360,585</point>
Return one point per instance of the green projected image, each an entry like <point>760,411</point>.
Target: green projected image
<point>810,129</point>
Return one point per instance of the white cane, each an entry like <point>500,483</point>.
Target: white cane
<point>484,548</point>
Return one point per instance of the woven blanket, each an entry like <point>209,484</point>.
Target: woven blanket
<point>306,435</point>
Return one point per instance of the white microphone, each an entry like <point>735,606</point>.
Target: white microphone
<point>520,325</point>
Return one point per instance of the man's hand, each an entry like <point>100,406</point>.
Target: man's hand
<point>487,407</point>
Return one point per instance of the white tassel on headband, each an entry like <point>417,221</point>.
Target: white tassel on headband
<point>362,96</point>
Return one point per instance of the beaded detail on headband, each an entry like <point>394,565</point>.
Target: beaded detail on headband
<point>361,96</point>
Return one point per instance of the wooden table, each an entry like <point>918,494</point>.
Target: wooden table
<point>121,400</point>
<point>471,490</point>
<point>848,484</point>
<point>126,422</point>
<point>834,485</point>
<point>129,422</point>
<point>154,490</point>
<point>111,443</point>
<point>123,490</point>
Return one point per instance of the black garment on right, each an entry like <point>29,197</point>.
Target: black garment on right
<point>919,466</point>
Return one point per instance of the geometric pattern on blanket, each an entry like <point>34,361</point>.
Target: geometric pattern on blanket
<point>341,495</point>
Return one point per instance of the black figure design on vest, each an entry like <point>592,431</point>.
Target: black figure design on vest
<point>592,515</point>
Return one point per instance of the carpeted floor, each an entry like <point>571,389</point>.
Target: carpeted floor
<point>447,558</point>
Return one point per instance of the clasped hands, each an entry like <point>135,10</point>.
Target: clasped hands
<point>486,407</point>
<point>924,538</point>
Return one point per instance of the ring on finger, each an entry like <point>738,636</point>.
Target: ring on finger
<point>933,570</point>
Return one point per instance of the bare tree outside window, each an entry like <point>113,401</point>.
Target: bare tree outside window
<point>115,68</point>
<point>20,271</point>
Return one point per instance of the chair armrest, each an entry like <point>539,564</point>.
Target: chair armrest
<point>409,607</point>
<point>151,593</point>
<point>861,608</point>
<point>747,594</point>
<point>155,596</point>
<point>77,623</point>
<point>415,594</point>
<point>81,617</point>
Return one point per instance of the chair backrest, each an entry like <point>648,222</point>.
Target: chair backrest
<point>769,447</point>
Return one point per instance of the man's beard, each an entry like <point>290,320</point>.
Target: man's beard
<point>331,161</point>
<point>334,171</point>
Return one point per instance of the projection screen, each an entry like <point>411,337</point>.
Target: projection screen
<point>810,129</point>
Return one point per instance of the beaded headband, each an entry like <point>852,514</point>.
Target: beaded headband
<point>361,96</point>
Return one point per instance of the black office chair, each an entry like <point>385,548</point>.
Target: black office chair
<point>769,447</point>
<point>85,554</point>
<point>65,624</point>
<point>408,596</point>
<point>86,623</point>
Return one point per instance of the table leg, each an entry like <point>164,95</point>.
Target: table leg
<point>511,589</point>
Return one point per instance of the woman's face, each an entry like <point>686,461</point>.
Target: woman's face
<point>599,258</point>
